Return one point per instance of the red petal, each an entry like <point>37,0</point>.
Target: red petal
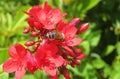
<point>12,52</point>
<point>31,63</point>
<point>54,77</point>
<point>20,50</point>
<point>74,41</point>
<point>40,55</point>
<point>31,21</point>
<point>41,16</point>
<point>47,7</point>
<point>58,60</point>
<point>45,51</point>
<point>51,49</point>
<point>74,22</point>
<point>38,25</point>
<point>70,32</point>
<point>34,10</point>
<point>10,66</point>
<point>61,26</point>
<point>49,27</point>
<point>20,73</point>
<point>51,72</point>
<point>70,51</point>
<point>53,17</point>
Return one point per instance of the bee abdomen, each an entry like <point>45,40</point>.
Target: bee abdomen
<point>55,35</point>
<point>51,35</point>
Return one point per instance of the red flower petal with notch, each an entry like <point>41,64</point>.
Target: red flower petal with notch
<point>48,59</point>
<point>69,32</point>
<point>31,62</point>
<point>33,11</point>
<point>53,17</point>
<point>17,62</point>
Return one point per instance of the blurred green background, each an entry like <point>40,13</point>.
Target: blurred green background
<point>101,41</point>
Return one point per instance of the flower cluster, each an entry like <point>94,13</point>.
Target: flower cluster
<point>54,47</point>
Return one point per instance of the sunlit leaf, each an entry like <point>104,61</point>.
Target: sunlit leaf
<point>9,20</point>
<point>98,63</point>
<point>94,38</point>
<point>85,46</point>
<point>109,50</point>
<point>3,75</point>
<point>118,48</point>
<point>19,18</point>
<point>28,76</point>
<point>3,55</point>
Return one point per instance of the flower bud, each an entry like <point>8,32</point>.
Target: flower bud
<point>65,72</point>
<point>74,22</point>
<point>35,33</point>
<point>29,43</point>
<point>83,28</point>
<point>81,56</point>
<point>76,62</point>
<point>26,30</point>
<point>36,46</point>
<point>78,51</point>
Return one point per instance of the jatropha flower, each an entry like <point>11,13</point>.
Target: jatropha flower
<point>53,50</point>
<point>19,61</point>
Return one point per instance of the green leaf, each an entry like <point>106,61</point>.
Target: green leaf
<point>92,3</point>
<point>3,54</point>
<point>39,74</point>
<point>85,46</point>
<point>107,71</point>
<point>98,63</point>
<point>28,76</point>
<point>85,5</point>
<point>109,50</point>
<point>59,4</point>
<point>19,18</point>
<point>117,65</point>
<point>75,70</point>
<point>9,20</point>
<point>116,75</point>
<point>118,48</point>
<point>3,75</point>
<point>94,38</point>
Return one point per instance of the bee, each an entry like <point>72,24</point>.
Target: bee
<point>55,35</point>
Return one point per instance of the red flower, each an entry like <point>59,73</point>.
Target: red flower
<point>48,59</point>
<point>69,31</point>
<point>18,61</point>
<point>54,48</point>
<point>46,16</point>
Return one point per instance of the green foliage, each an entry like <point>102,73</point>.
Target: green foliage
<point>101,42</point>
<point>3,75</point>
